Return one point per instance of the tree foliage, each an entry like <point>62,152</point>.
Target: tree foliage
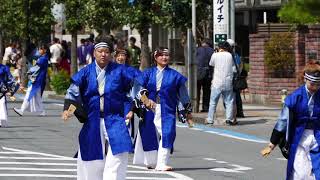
<point>74,11</point>
<point>301,12</point>
<point>101,15</point>
<point>14,16</point>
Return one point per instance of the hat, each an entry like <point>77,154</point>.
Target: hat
<point>231,42</point>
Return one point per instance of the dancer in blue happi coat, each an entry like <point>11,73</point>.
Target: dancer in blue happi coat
<point>122,56</point>
<point>99,91</point>
<point>37,82</point>
<point>166,87</point>
<point>8,86</point>
<point>298,128</point>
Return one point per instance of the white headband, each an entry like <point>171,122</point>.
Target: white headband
<point>101,44</point>
<point>161,51</point>
<point>311,77</point>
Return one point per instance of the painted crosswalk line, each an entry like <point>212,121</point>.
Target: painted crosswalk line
<point>20,164</point>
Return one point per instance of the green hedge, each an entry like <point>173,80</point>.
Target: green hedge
<point>279,55</point>
<point>60,82</point>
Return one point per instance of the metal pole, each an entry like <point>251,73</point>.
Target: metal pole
<point>193,65</point>
<point>232,20</point>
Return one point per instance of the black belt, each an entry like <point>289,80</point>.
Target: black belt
<point>101,114</point>
<point>309,125</point>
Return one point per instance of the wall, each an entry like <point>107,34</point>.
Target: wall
<point>266,90</point>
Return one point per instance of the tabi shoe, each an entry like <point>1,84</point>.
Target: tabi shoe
<point>18,111</point>
<point>42,114</point>
<point>3,123</point>
<point>231,123</point>
<point>165,168</point>
<point>150,167</point>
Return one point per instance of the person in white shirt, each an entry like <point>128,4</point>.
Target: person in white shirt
<point>8,53</point>
<point>55,51</point>
<point>222,83</point>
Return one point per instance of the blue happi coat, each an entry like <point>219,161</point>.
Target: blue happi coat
<point>297,102</point>
<point>117,84</point>
<point>40,82</point>
<point>134,72</point>
<point>168,93</point>
<point>5,75</point>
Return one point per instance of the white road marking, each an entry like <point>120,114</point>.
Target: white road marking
<point>38,175</point>
<point>236,137</point>
<point>43,167</point>
<point>151,178</point>
<point>36,169</point>
<point>234,168</point>
<point>282,159</point>
<point>221,162</point>
<point>40,164</point>
<point>241,168</point>
<point>58,104</point>
<point>39,158</point>
<point>209,159</point>
<point>32,152</point>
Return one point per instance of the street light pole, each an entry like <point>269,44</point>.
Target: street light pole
<point>192,64</point>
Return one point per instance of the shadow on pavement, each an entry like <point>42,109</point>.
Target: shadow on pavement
<point>193,168</point>
<point>247,122</point>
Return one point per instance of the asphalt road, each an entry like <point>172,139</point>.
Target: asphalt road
<point>35,147</point>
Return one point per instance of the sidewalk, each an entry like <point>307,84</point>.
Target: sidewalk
<point>251,112</point>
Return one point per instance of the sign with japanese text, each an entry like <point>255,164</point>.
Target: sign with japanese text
<point>220,20</point>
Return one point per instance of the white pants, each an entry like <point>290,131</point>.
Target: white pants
<point>163,153</point>
<point>302,166</point>
<point>148,158</point>
<point>35,104</point>
<point>112,167</point>
<point>3,112</point>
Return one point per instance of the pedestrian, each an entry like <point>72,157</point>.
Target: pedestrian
<point>204,76</point>
<point>237,92</point>
<point>100,90</point>
<point>56,51</point>
<point>18,63</point>
<point>7,86</point>
<point>135,52</point>
<point>64,64</point>
<point>37,82</point>
<point>8,54</point>
<point>166,87</point>
<point>224,69</point>
<point>298,127</point>
<point>82,54</point>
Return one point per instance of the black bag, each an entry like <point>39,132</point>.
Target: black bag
<point>239,83</point>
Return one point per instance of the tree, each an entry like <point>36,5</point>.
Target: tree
<point>101,16</point>
<point>301,12</point>
<point>75,21</point>
<point>168,13</point>
<point>24,21</point>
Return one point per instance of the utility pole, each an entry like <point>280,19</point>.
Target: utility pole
<point>192,64</point>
